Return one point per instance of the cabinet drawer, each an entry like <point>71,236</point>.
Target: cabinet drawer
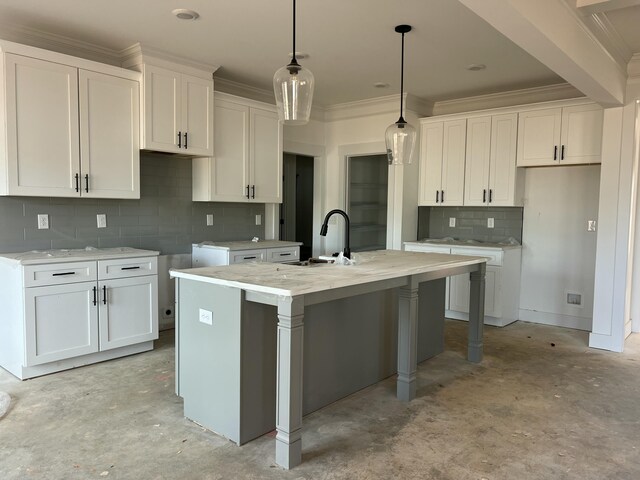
<point>493,257</point>
<point>245,256</point>
<point>127,267</point>
<point>59,273</point>
<point>283,254</point>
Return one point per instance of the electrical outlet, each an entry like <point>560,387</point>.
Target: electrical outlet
<point>209,219</point>
<point>591,225</point>
<point>490,222</point>
<point>43,221</point>
<point>206,317</point>
<point>258,219</point>
<point>452,221</point>
<point>102,220</point>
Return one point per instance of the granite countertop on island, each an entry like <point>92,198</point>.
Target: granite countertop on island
<point>290,280</point>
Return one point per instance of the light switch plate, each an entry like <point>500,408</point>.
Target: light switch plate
<point>206,317</point>
<point>43,221</point>
<point>490,222</point>
<point>209,219</point>
<point>258,219</point>
<point>452,221</point>
<point>102,220</point>
<point>591,225</point>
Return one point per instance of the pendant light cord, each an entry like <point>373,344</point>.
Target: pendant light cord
<point>293,58</point>
<point>401,78</point>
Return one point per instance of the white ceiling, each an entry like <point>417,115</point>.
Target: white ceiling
<point>351,42</point>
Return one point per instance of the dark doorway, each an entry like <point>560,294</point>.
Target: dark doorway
<point>296,210</point>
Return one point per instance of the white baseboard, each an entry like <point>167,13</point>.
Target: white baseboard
<point>558,320</point>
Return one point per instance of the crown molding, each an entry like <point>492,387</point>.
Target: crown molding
<point>561,91</point>
<point>609,37</point>
<point>59,43</point>
<point>633,67</point>
<point>377,106</point>
<point>243,90</point>
<point>138,54</point>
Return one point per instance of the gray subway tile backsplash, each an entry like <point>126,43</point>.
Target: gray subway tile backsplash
<point>164,218</point>
<point>471,223</point>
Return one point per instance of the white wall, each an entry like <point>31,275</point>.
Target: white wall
<point>558,253</point>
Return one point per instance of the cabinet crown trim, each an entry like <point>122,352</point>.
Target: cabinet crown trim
<point>138,54</point>
<point>227,97</point>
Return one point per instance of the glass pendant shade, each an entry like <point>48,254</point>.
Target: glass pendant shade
<point>400,138</point>
<point>293,87</point>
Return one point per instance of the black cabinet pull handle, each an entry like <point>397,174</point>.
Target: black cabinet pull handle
<point>179,139</point>
<point>484,195</point>
<point>437,196</point>
<point>285,254</point>
<point>249,258</point>
<point>441,196</point>
<point>185,140</point>
<point>104,294</point>
<point>95,296</point>
<point>86,183</point>
<point>130,268</point>
<point>77,182</point>
<point>62,274</point>
<point>562,153</point>
<point>253,191</point>
<point>555,152</point>
<point>490,195</point>
<point>247,191</point>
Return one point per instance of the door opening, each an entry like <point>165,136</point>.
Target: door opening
<point>296,209</point>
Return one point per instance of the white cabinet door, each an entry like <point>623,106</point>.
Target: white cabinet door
<point>502,172</point>
<point>539,137</point>
<point>265,150</point>
<point>162,113</point>
<point>128,311</point>
<point>197,115</point>
<point>478,158</point>
<point>581,140</point>
<point>42,127</point>
<point>459,292</point>
<point>230,165</point>
<point>61,321</point>
<point>453,156</point>
<point>109,136</point>
<point>431,135</point>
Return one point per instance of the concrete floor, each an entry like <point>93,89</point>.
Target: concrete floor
<point>542,405</point>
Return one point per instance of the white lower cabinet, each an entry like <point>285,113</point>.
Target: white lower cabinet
<point>63,315</point>
<point>502,282</point>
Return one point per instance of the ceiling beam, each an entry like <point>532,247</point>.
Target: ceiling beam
<point>598,6</point>
<point>552,32</point>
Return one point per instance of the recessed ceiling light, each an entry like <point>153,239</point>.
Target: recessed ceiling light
<point>474,67</point>
<point>381,85</point>
<point>185,14</point>
<point>300,55</point>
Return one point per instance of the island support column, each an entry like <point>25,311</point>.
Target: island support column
<point>407,341</point>
<point>289,382</point>
<point>476,314</point>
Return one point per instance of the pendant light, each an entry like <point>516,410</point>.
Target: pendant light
<point>400,137</point>
<point>293,86</point>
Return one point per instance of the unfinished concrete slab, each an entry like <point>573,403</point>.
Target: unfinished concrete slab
<point>542,405</point>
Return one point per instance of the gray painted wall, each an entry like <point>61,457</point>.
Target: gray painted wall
<point>164,218</point>
<point>471,223</point>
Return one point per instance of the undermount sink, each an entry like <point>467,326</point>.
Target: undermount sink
<point>312,262</point>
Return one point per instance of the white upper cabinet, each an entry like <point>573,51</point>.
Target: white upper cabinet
<point>491,175</point>
<point>568,135</point>
<point>71,126</point>
<point>178,112</point>
<point>247,165</point>
<point>442,159</point>
<point>109,136</point>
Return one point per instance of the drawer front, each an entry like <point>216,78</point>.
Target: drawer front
<point>427,248</point>
<point>59,273</point>
<point>127,267</point>
<point>494,257</point>
<point>245,256</point>
<point>283,254</point>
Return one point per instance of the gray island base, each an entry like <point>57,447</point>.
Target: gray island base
<point>241,373</point>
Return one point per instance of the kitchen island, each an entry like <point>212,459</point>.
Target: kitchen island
<point>233,292</point>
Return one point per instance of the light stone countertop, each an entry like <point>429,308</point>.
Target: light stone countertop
<point>247,245</point>
<point>38,257</point>
<point>290,280</point>
<point>445,242</point>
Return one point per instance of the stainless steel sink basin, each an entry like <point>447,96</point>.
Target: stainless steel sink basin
<point>312,262</point>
